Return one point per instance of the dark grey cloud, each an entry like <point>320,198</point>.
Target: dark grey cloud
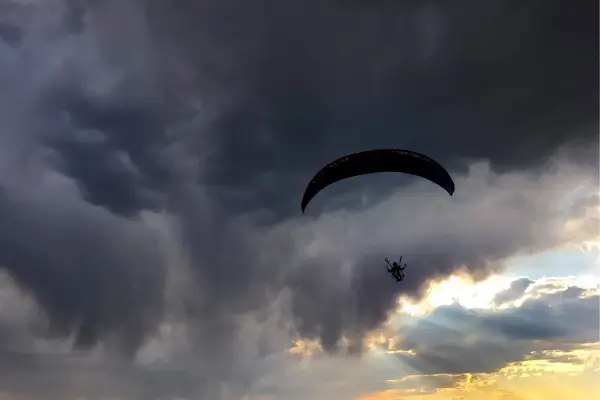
<point>128,125</point>
<point>514,292</point>
<point>94,273</point>
<point>458,81</point>
<point>11,34</point>
<point>59,376</point>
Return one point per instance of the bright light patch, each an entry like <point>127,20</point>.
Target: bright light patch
<point>457,290</point>
<point>462,290</point>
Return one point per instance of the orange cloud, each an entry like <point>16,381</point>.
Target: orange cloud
<point>548,375</point>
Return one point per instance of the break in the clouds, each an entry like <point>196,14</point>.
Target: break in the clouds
<point>153,155</point>
<point>438,350</point>
<point>452,339</point>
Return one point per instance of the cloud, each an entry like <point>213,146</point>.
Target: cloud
<point>455,348</point>
<point>152,158</point>
<point>452,339</point>
<point>478,95</point>
<point>516,290</point>
<point>77,262</point>
<point>475,232</point>
<point>264,109</point>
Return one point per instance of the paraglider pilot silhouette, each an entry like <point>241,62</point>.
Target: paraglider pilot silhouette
<point>396,269</point>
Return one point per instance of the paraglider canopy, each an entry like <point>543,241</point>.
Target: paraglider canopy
<point>381,160</point>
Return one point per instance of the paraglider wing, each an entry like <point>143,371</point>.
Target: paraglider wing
<point>372,161</point>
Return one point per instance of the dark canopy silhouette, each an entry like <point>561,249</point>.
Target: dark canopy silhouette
<point>372,161</point>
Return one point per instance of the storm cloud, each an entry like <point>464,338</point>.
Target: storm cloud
<point>153,156</point>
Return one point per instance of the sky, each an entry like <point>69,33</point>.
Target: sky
<point>153,156</point>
